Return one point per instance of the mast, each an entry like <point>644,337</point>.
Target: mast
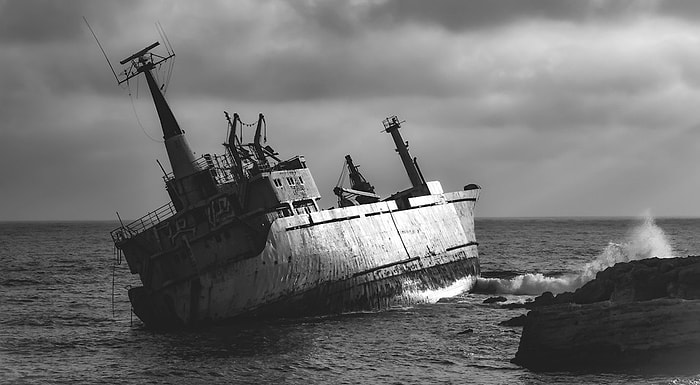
<point>179,153</point>
<point>232,145</point>
<point>259,153</point>
<point>392,125</point>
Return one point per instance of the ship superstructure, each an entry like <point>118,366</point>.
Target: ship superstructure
<point>243,234</point>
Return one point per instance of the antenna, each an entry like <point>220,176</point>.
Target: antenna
<point>102,49</point>
<point>140,53</point>
<point>144,60</point>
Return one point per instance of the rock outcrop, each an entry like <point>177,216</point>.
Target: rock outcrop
<point>644,280</point>
<point>641,316</point>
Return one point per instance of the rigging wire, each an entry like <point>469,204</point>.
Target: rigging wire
<point>164,36</point>
<point>171,65</point>
<point>133,107</point>
<point>341,178</point>
<point>255,124</point>
<point>101,49</point>
<point>171,52</point>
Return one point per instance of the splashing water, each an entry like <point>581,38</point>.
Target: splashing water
<point>647,240</point>
<point>413,295</point>
<point>526,284</point>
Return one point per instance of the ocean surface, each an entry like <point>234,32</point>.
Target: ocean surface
<point>65,316</point>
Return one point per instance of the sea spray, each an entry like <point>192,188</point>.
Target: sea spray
<point>646,240</point>
<point>525,284</point>
<point>411,293</point>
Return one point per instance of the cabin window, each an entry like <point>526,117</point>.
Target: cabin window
<point>303,210</point>
<point>283,211</point>
<point>301,181</point>
<point>304,207</point>
<point>291,181</point>
<point>278,182</point>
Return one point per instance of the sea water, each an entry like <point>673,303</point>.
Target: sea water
<point>65,316</point>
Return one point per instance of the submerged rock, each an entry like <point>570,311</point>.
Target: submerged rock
<point>640,315</point>
<point>545,299</point>
<point>495,299</point>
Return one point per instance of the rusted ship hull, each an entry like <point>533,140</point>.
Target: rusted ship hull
<point>364,257</point>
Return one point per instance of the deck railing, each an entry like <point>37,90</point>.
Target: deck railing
<point>219,165</point>
<point>220,168</point>
<point>138,226</point>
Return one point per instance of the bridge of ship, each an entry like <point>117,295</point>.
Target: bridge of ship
<point>221,169</point>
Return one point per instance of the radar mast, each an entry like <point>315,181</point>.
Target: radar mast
<point>179,153</point>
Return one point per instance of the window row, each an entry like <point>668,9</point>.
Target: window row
<point>290,181</point>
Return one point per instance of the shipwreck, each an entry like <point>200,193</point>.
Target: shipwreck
<point>243,234</point>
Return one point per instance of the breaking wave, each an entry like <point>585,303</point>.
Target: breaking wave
<point>413,295</point>
<point>525,284</point>
<point>647,240</point>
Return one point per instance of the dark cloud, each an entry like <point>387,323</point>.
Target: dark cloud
<point>320,72</point>
<point>47,21</point>
<point>338,17</point>
<point>459,15</point>
<point>684,9</point>
<point>37,21</point>
<point>48,50</point>
<point>541,102</point>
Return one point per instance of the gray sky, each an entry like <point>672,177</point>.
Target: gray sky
<point>554,107</point>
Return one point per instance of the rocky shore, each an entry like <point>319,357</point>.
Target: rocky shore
<point>642,316</point>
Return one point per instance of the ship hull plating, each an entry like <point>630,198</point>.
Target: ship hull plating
<point>365,257</point>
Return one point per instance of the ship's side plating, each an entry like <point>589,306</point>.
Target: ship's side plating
<point>354,258</point>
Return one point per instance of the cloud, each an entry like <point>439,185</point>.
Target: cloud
<point>40,21</point>
<point>571,107</point>
<point>460,15</point>
<point>681,9</point>
<point>54,22</point>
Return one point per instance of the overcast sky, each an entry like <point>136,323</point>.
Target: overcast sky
<point>554,107</point>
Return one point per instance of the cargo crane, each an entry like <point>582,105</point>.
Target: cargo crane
<point>360,191</point>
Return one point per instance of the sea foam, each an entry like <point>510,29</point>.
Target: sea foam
<point>646,240</point>
<point>413,295</point>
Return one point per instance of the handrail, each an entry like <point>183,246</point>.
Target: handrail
<point>219,166</point>
<point>140,225</point>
